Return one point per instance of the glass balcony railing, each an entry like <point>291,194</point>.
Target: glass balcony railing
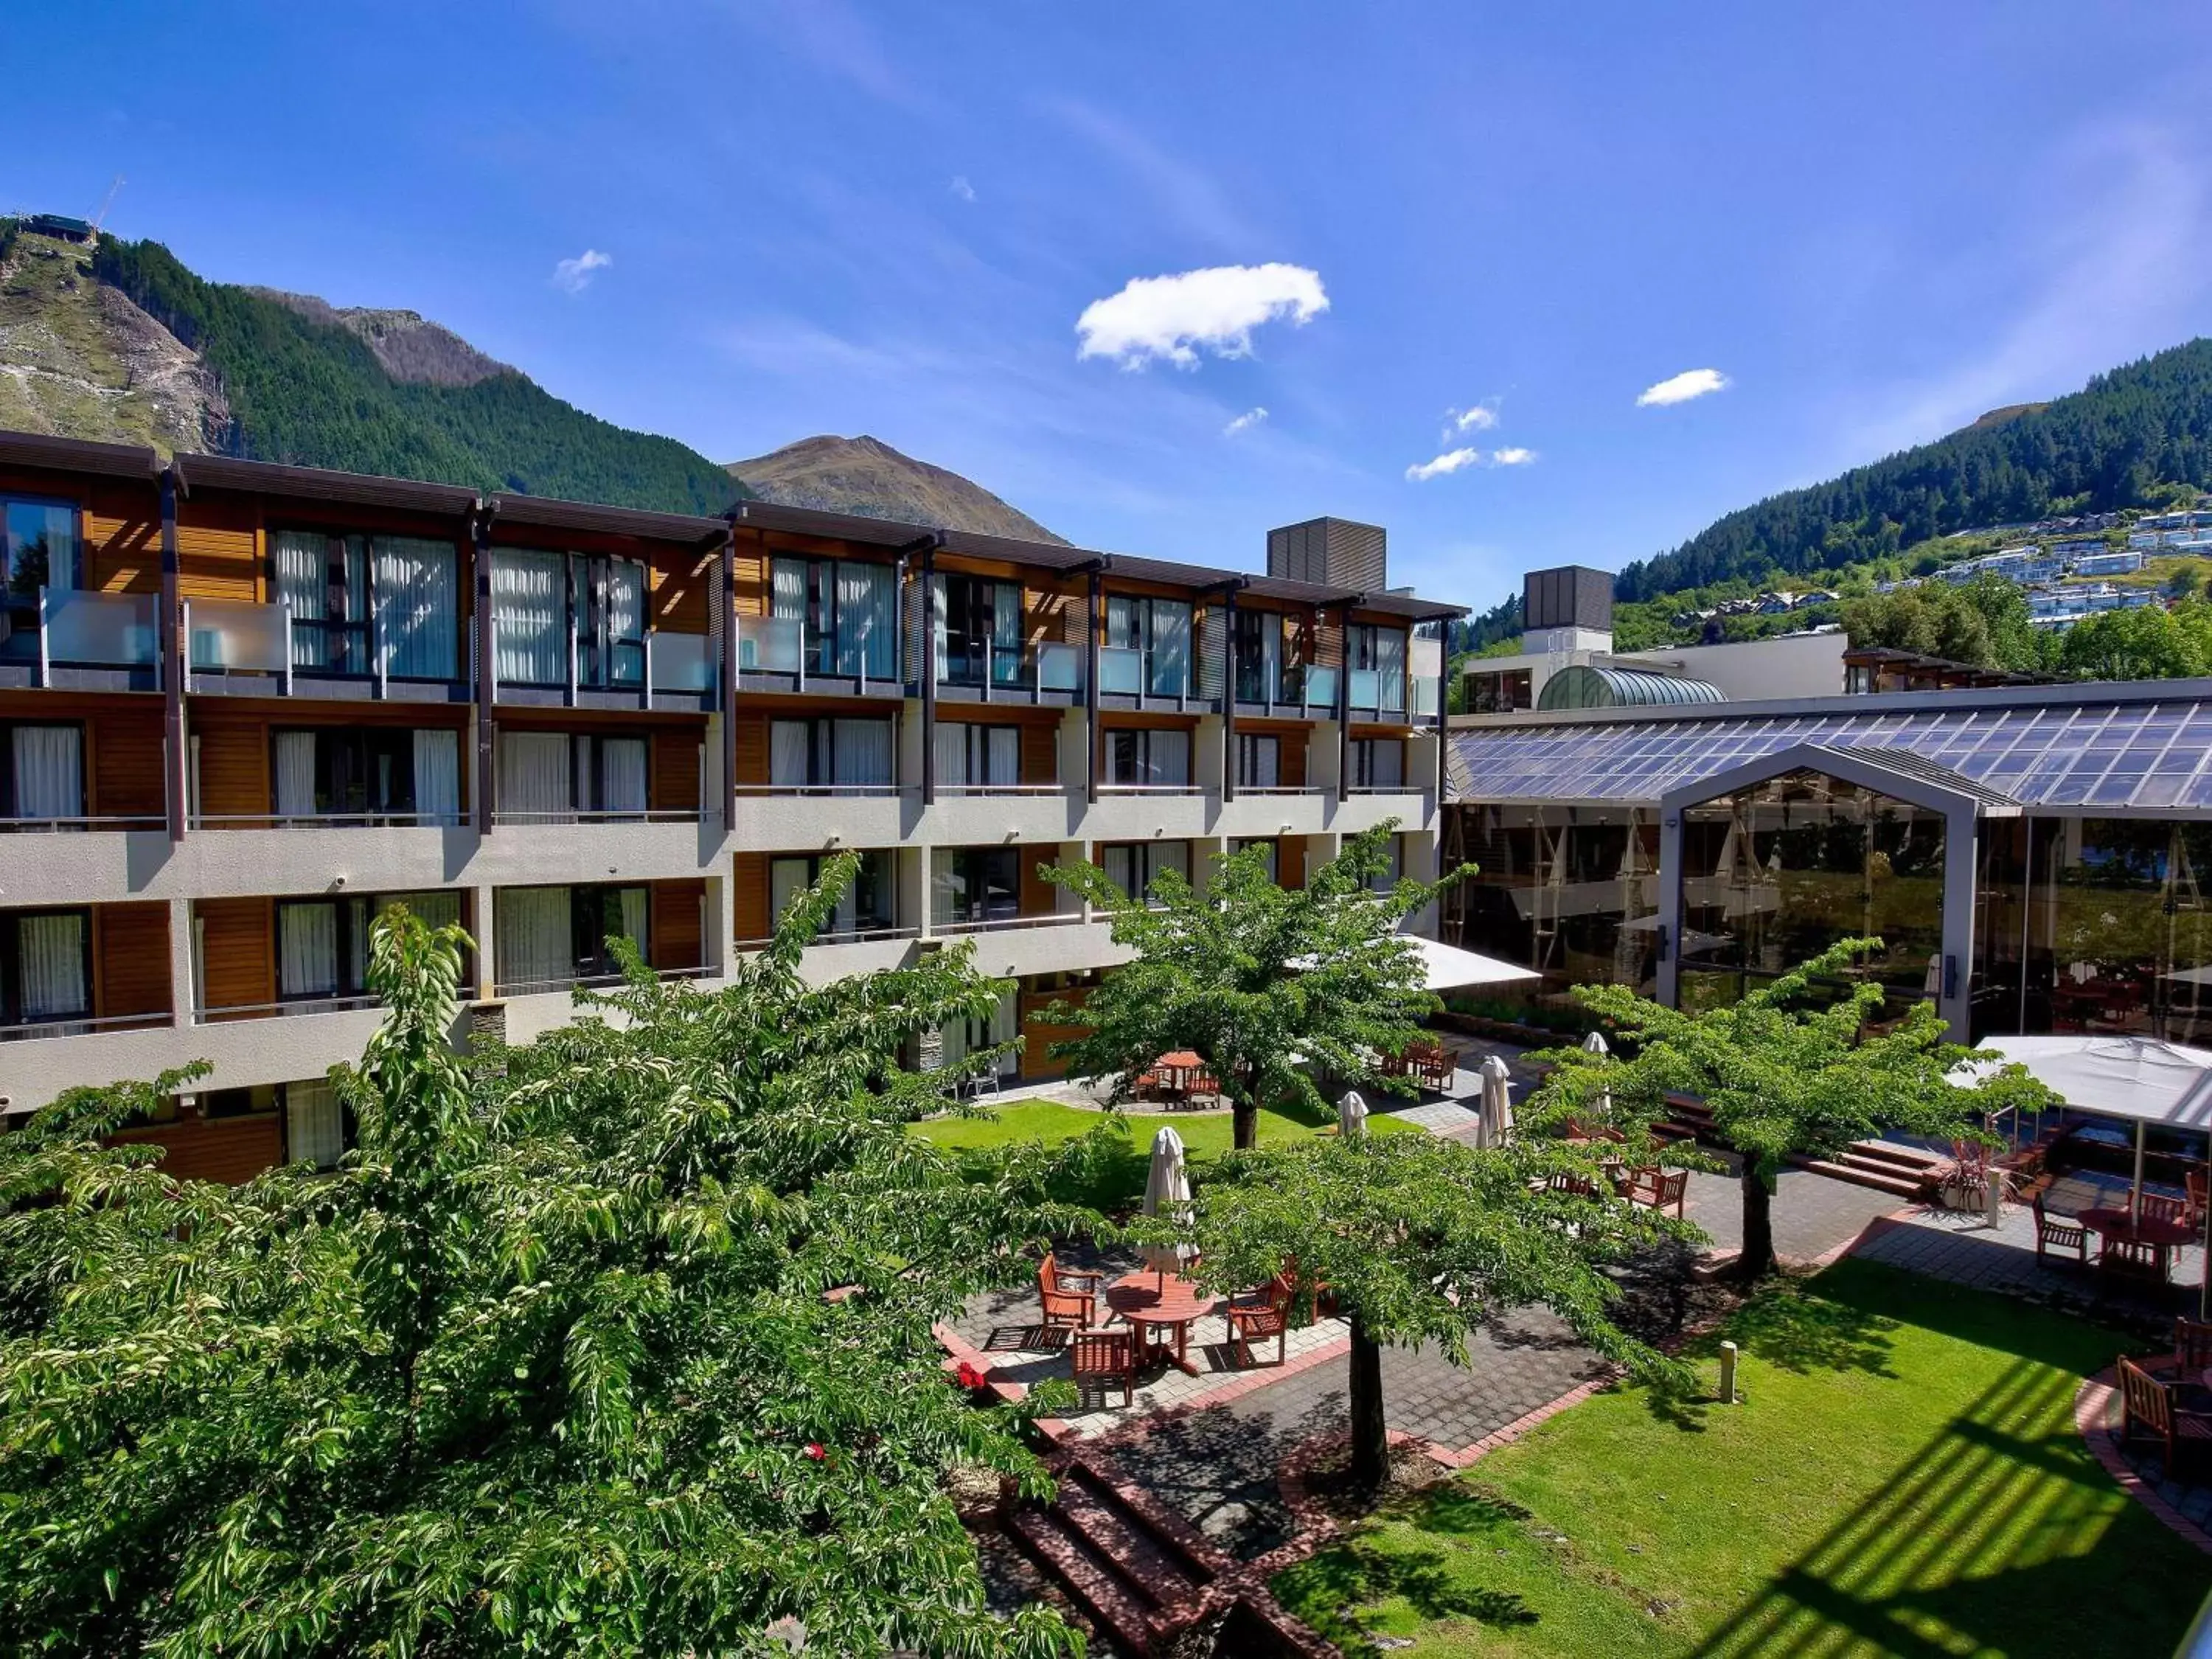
<point>98,629</point>
<point>1375,691</point>
<point>1059,668</point>
<point>1120,671</point>
<point>679,662</point>
<point>770,645</point>
<point>1424,698</point>
<point>1321,689</point>
<point>238,636</point>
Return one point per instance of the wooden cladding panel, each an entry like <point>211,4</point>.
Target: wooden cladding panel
<point>227,1150</point>
<point>219,549</point>
<point>749,573</point>
<point>749,916</point>
<point>675,771</point>
<point>123,538</point>
<point>1291,761</point>
<point>1037,1062</point>
<point>1039,896</point>
<point>238,955</point>
<point>233,769</point>
<point>1041,752</point>
<point>130,959</point>
<point>677,941</point>
<point>752,749</point>
<point>1290,861</point>
<point>123,763</point>
<point>679,583</point>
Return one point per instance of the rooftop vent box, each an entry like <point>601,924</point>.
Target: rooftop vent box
<point>1568,596</point>
<point>1332,552</point>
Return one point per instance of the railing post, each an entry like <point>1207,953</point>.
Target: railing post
<point>377,644</point>
<point>650,635</point>
<point>46,630</point>
<point>286,606</point>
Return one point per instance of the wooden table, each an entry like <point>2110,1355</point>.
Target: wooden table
<point>1159,1307</point>
<point>2164,1237</point>
<point>1177,1071</point>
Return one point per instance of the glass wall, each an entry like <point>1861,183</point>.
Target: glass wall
<point>1571,891</point>
<point>1777,873</point>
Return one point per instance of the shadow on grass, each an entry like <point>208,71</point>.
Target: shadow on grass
<point>1339,1593</point>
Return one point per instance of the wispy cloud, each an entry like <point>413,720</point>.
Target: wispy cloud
<point>1172,318</point>
<point>962,188</point>
<point>574,275</point>
<point>1244,422</point>
<point>1512,456</point>
<point>1478,418</point>
<point>1188,199</point>
<point>838,40</point>
<point>1681,388</point>
<point>1452,460</point>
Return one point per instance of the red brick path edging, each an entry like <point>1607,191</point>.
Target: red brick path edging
<point>2093,1406</point>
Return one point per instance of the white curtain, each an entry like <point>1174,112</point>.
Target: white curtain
<point>633,915</point>
<point>787,879</point>
<point>622,775</point>
<point>1391,666</point>
<point>418,599</point>
<point>1386,763</point>
<point>790,753</point>
<point>952,755</point>
<point>1170,647</point>
<point>1119,864</point>
<point>296,774</point>
<point>1263,759</point>
<point>863,753</point>
<point>49,763</point>
<point>533,773</point>
<point>1004,765</point>
<point>1170,856</point>
<point>1122,621</point>
<point>437,777</point>
<point>787,589</point>
<point>306,949</point>
<point>302,562</point>
<point>940,609</point>
<point>314,1126</point>
<point>532,937</point>
<point>625,603</point>
<point>1167,757</point>
<point>1007,633</point>
<point>52,952</point>
<point>529,613</point>
<point>867,620</point>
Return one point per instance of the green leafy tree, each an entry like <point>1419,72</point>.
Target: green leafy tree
<point>546,1366</point>
<point>1270,987</point>
<point>2146,643</point>
<point>1423,1239</point>
<point>1784,1074</point>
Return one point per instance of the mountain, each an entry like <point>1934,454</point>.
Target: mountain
<point>119,341</point>
<point>866,476</point>
<point>2111,445</point>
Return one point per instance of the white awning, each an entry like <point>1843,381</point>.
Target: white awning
<point>2138,1079</point>
<point>1448,968</point>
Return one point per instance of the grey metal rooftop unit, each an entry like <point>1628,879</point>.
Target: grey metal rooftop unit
<point>1568,596</point>
<point>1332,552</point>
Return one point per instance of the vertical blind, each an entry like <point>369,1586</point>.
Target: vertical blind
<point>533,936</point>
<point>530,615</point>
<point>437,777</point>
<point>861,753</point>
<point>314,1125</point>
<point>419,599</point>
<point>49,771</point>
<point>50,949</point>
<point>306,949</point>
<point>622,775</point>
<point>790,753</point>
<point>867,620</point>
<point>296,774</point>
<point>534,775</point>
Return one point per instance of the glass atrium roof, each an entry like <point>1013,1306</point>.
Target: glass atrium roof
<point>2089,755</point>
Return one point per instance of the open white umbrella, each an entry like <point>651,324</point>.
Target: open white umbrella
<point>1167,1192</point>
<point>1497,1115</point>
<point>1352,1115</point>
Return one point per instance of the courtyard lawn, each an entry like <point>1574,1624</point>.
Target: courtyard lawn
<point>1902,1477</point>
<point>1204,1135</point>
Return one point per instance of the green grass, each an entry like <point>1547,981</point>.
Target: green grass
<point>1204,1135</point>
<point>1902,1477</point>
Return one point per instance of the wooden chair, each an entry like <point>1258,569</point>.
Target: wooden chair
<point>2155,1207</point>
<point>1100,1358</point>
<point>1657,1189</point>
<point>2147,1406</point>
<point>1261,1314</point>
<point>2059,1233</point>
<point>2198,1185</point>
<point>2192,1349</point>
<point>1578,1186</point>
<point>1070,1298</point>
<point>2131,1258</point>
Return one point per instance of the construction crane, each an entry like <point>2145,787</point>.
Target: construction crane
<point>100,217</point>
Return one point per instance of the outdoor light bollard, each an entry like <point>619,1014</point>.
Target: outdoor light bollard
<point>1993,1197</point>
<point>1728,1373</point>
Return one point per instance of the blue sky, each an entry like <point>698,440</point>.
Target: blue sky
<point>1872,222</point>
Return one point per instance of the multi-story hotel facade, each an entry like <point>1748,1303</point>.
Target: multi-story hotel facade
<point>243,705</point>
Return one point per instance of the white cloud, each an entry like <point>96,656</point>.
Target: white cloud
<point>1216,309</point>
<point>1511,457</point>
<point>962,188</point>
<point>574,275</point>
<point>1244,422</point>
<point>1450,461</point>
<point>1681,388</point>
<point>1479,418</point>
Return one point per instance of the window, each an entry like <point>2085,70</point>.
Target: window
<point>544,603</point>
<point>967,1037</point>
<point>46,971</point>
<point>830,754</point>
<point>1132,866</point>
<point>1259,761</point>
<point>608,599</point>
<point>1264,643</point>
<point>1393,872</point>
<point>417,599</point>
<point>973,756</point>
<point>1378,763</point>
<point>41,772</point>
<point>39,547</point>
<point>1159,629</point>
<point>848,612</point>
<point>556,777</point>
<point>324,580</point>
<point>315,1128</point>
<point>974,884</point>
<point>1500,693</point>
<point>1144,758</point>
<point>368,772</point>
<point>322,944</point>
<point>549,937</point>
<point>1270,849</point>
<point>529,601</point>
<point>979,631</point>
<point>869,906</point>
<point>1377,658</point>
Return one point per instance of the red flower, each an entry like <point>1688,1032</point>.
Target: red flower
<point>815,1451</point>
<point>968,1377</point>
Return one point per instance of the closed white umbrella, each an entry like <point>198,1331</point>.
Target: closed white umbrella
<point>1352,1115</point>
<point>1497,1101</point>
<point>1167,1192</point>
<point>1594,1043</point>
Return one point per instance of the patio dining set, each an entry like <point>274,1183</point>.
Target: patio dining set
<point>1155,1308</point>
<point>2136,1239</point>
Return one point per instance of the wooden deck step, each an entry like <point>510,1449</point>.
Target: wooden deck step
<point>1095,1583</point>
<point>1861,1175</point>
<point>1152,1565</point>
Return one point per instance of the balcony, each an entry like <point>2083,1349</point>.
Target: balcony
<point>1051,674</point>
<point>1379,694</point>
<point>781,653</point>
<point>565,669</point>
<point>241,648</point>
<point>82,641</point>
<point>1299,691</point>
<point>1148,678</point>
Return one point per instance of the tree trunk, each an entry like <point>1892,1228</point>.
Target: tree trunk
<point>1244,1120</point>
<point>1370,1440</point>
<point>1758,1258</point>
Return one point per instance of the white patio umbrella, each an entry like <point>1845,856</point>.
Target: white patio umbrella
<point>1594,1043</point>
<point>1352,1115</point>
<point>1497,1115</point>
<point>1167,1192</point>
